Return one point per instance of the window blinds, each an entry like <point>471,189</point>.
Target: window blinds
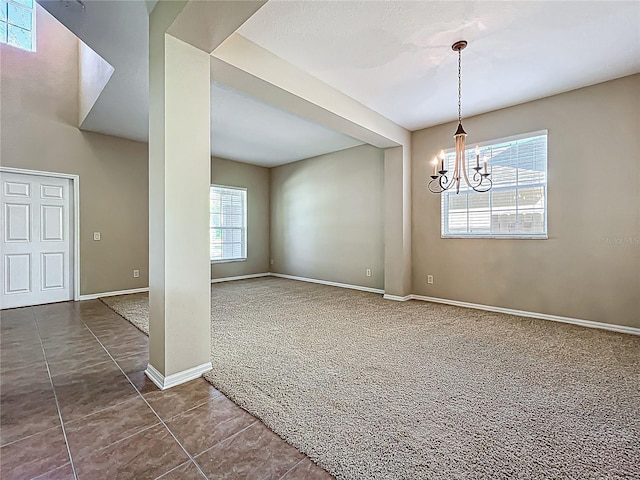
<point>228,223</point>
<point>516,206</point>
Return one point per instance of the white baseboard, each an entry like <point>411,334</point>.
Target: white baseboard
<point>397,298</point>
<point>477,306</point>
<point>93,296</point>
<point>240,277</point>
<point>523,313</point>
<point>325,282</point>
<point>175,379</point>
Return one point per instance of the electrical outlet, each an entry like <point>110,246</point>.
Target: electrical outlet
<point>271,262</point>
<point>429,278</point>
<point>136,273</point>
<point>96,236</point>
<point>368,272</point>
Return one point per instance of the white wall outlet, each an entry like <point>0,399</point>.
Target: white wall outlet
<point>136,273</point>
<point>96,236</point>
<point>429,278</point>
<point>271,262</point>
<point>368,272</point>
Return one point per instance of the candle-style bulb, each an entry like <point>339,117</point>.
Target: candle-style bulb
<point>441,154</point>
<point>477,150</point>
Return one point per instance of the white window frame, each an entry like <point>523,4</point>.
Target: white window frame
<point>33,25</point>
<point>507,236</point>
<point>244,228</point>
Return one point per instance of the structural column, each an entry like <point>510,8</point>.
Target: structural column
<point>397,222</point>
<point>179,179</point>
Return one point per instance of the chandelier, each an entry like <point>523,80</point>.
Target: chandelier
<point>440,180</point>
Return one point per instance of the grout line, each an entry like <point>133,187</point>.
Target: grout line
<point>117,404</point>
<point>229,437</point>
<point>55,396</point>
<point>28,436</point>
<point>193,408</point>
<point>149,405</point>
<point>175,468</point>
<point>50,471</point>
<point>283,477</point>
<point>144,429</point>
<point>74,370</point>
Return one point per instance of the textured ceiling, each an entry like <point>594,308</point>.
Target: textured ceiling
<point>118,31</point>
<point>243,128</point>
<point>392,56</point>
<point>395,56</point>
<point>247,130</point>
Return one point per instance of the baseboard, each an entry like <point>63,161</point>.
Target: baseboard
<point>93,296</point>
<point>175,379</point>
<point>325,282</point>
<point>397,298</point>
<point>477,306</point>
<point>523,313</point>
<point>240,277</point>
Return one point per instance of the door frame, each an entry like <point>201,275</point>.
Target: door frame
<point>75,223</point>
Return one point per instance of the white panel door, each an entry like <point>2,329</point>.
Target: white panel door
<point>35,261</point>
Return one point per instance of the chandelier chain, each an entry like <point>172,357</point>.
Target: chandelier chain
<point>459,86</point>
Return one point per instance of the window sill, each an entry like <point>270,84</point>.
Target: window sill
<point>500,237</point>
<point>229,261</point>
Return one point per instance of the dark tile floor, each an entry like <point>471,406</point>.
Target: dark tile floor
<point>75,403</point>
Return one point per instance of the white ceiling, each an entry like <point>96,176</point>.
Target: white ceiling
<point>243,128</point>
<point>247,130</point>
<point>117,30</point>
<point>395,56</point>
<point>392,56</point>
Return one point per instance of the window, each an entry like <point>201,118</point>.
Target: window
<point>18,23</point>
<point>228,223</point>
<point>516,206</point>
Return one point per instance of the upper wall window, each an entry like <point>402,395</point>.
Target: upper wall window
<point>516,206</point>
<point>18,23</point>
<point>228,223</point>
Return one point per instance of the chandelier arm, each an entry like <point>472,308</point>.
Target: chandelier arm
<point>478,181</point>
<point>442,185</point>
<point>484,189</point>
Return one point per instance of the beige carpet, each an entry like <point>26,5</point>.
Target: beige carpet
<point>375,389</point>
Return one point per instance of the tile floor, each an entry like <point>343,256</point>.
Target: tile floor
<point>75,403</point>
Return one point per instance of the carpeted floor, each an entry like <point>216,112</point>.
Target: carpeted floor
<point>376,389</point>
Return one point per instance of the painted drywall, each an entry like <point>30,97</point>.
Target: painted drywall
<point>39,117</point>
<point>94,74</point>
<point>265,76</point>
<point>179,173</point>
<point>256,180</point>
<point>589,268</point>
<point>397,220</point>
<point>327,217</point>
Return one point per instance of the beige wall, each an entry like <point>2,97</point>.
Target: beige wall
<point>39,117</point>
<point>256,180</point>
<point>589,268</point>
<point>327,217</point>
